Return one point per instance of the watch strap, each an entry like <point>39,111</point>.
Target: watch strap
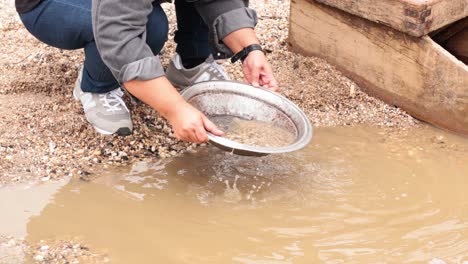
<point>241,55</point>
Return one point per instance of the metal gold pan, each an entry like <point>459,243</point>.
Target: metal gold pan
<point>244,101</point>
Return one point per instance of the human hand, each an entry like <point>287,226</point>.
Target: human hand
<point>258,71</point>
<point>191,125</point>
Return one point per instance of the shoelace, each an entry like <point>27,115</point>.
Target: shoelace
<point>218,70</point>
<point>113,101</point>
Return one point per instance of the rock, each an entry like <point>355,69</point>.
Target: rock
<point>44,248</point>
<point>45,178</point>
<point>39,258</point>
<point>11,243</point>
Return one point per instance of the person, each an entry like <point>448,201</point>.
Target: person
<point>122,40</point>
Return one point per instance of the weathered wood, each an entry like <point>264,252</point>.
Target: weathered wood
<point>415,74</point>
<point>414,17</point>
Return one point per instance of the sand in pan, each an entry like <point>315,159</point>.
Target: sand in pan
<point>253,132</point>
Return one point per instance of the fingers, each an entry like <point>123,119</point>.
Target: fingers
<point>258,71</point>
<point>200,134</point>
<point>252,67</point>
<point>247,73</point>
<point>196,132</point>
<point>211,127</point>
<point>255,76</point>
<point>268,79</point>
<point>273,85</point>
<point>194,136</point>
<point>188,135</point>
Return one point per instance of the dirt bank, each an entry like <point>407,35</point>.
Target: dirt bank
<point>44,135</point>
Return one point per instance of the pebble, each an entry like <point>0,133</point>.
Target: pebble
<point>437,261</point>
<point>44,248</point>
<point>45,178</point>
<point>11,243</point>
<point>39,258</point>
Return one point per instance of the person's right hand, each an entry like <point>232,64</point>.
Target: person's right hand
<point>191,125</point>
<point>258,71</point>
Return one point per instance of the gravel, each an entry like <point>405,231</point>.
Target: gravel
<point>44,135</point>
<point>14,250</point>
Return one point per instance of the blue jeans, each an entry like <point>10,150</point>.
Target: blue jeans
<point>66,24</point>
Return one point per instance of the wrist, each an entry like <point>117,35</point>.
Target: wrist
<point>241,38</point>
<point>255,53</point>
<point>171,112</point>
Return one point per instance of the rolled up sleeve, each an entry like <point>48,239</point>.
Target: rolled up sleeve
<point>222,18</point>
<point>120,35</point>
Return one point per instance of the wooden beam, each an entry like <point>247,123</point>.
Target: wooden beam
<point>415,74</point>
<point>414,17</point>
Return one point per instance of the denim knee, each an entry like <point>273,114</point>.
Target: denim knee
<point>62,24</point>
<point>157,29</point>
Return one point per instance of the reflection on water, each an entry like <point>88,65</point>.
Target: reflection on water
<point>355,195</point>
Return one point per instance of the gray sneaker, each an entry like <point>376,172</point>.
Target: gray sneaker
<point>181,77</point>
<point>106,112</point>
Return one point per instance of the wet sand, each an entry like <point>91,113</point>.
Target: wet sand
<point>254,132</point>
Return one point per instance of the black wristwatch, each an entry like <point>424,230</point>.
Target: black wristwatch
<point>241,55</point>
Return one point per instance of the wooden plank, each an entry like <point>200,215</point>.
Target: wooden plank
<point>415,74</point>
<point>445,12</point>
<point>414,17</point>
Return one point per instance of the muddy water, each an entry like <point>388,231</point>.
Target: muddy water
<point>355,195</point>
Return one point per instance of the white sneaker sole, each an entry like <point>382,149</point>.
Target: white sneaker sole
<point>123,131</point>
<point>75,94</point>
<point>103,131</point>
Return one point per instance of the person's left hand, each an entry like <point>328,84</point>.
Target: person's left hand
<point>258,71</point>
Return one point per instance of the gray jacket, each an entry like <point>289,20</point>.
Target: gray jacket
<point>120,33</point>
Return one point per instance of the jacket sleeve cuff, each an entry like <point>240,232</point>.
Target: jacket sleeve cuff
<point>143,70</point>
<point>226,23</point>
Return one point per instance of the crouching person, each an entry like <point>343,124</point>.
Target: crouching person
<point>121,41</point>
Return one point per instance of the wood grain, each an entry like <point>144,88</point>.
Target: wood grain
<point>414,17</point>
<point>415,74</point>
